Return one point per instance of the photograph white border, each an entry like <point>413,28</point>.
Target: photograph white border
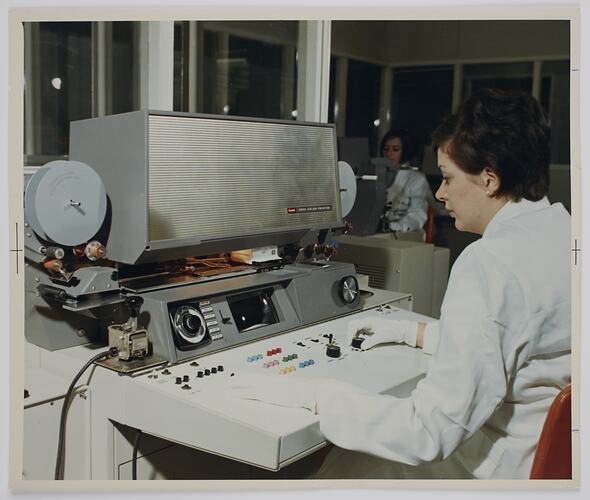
<point>206,12</point>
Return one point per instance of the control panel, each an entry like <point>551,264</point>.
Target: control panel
<point>193,407</point>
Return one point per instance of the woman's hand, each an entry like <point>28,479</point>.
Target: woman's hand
<point>378,330</point>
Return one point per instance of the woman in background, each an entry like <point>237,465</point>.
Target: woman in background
<point>408,192</point>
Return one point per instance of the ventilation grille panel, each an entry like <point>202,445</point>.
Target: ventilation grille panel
<point>219,178</point>
<point>376,274</point>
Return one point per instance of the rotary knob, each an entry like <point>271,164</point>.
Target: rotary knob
<point>333,351</point>
<point>189,324</point>
<point>348,289</point>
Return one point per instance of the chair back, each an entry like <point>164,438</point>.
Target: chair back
<point>553,457</point>
<point>429,225</point>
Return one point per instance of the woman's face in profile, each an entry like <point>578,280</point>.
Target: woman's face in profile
<point>392,150</point>
<point>463,194</point>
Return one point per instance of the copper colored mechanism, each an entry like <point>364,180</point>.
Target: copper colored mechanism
<point>95,250</point>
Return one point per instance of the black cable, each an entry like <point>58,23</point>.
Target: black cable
<point>64,410</point>
<point>134,460</point>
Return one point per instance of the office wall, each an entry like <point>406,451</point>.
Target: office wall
<point>426,42</point>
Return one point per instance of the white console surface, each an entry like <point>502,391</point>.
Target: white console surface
<point>196,411</point>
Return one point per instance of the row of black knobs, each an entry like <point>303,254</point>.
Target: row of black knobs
<point>200,374</point>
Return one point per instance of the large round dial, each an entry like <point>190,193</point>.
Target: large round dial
<point>348,289</point>
<point>189,324</point>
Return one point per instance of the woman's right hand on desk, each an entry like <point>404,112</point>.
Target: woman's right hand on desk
<point>376,330</point>
<point>379,330</point>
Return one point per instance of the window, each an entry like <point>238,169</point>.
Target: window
<point>73,71</point>
<point>246,68</point>
<point>421,98</point>
<point>58,87</point>
<point>362,102</point>
<point>513,76</point>
<point>555,98</point>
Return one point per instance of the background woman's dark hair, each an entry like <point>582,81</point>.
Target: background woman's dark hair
<point>407,140</point>
<point>507,131</point>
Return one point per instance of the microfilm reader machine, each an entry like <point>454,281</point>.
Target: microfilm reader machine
<point>180,250</point>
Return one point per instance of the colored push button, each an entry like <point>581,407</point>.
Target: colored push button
<point>288,369</point>
<point>290,357</point>
<point>272,352</point>
<point>252,359</point>
<point>270,364</point>
<point>305,364</point>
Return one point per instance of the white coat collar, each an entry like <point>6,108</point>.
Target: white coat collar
<point>514,209</point>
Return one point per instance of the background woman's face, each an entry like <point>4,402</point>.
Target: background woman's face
<point>392,150</point>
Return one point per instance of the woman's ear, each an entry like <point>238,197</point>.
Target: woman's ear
<point>491,181</point>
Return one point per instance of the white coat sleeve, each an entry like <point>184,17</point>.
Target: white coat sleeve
<point>464,384</point>
<point>418,193</point>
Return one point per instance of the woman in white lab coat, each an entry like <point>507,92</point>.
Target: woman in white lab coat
<point>408,191</point>
<point>501,351</point>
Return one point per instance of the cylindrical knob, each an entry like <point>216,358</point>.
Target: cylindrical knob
<point>357,342</point>
<point>178,380</point>
<point>333,351</point>
<point>53,252</point>
<point>134,303</point>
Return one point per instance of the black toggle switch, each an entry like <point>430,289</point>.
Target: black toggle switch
<point>220,368</point>
<point>200,374</point>
<point>186,387</point>
<point>178,380</point>
<point>194,363</point>
<point>207,372</point>
<point>166,372</point>
<point>185,378</point>
<point>213,370</point>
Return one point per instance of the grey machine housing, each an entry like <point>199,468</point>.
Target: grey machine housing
<point>181,185</point>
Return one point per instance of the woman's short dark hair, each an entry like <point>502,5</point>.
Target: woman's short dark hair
<point>507,131</point>
<point>406,140</point>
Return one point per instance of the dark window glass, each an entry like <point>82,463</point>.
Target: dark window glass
<point>179,66</point>
<point>64,77</point>
<point>421,98</point>
<point>362,101</point>
<point>244,76</point>
<point>124,74</point>
<point>507,76</point>
<point>332,94</point>
<point>254,78</point>
<point>555,98</point>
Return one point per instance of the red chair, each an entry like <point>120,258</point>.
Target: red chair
<point>429,225</point>
<point>553,457</point>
